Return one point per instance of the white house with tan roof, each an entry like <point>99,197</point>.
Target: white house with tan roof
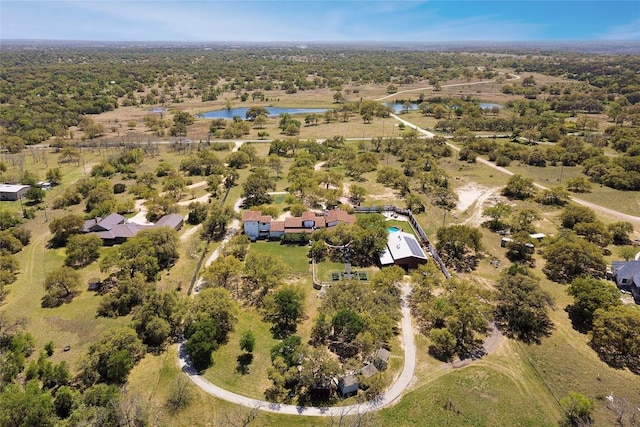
<point>258,226</point>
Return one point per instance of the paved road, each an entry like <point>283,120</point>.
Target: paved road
<point>390,396</point>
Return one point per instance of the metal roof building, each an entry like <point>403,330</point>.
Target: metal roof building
<point>403,250</point>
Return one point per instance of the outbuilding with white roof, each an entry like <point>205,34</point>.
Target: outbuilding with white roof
<point>12,192</point>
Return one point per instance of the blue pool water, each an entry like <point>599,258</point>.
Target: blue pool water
<point>393,229</point>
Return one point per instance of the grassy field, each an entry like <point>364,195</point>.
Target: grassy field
<point>294,256</point>
<point>226,372</point>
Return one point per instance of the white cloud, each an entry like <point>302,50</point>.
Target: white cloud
<point>630,31</point>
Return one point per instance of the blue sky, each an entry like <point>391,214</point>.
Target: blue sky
<point>320,20</point>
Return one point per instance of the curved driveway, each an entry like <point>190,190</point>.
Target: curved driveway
<point>386,398</point>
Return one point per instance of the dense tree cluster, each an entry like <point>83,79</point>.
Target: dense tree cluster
<point>454,314</point>
<point>522,305</point>
<point>13,237</point>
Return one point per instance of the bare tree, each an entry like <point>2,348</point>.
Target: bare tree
<point>241,416</point>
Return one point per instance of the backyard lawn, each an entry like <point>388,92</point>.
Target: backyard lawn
<point>295,256</point>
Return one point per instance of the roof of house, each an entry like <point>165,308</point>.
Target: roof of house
<point>277,226</point>
<point>122,231</point>
<point>627,269</point>
<point>293,222</point>
<point>308,215</point>
<point>171,220</point>
<point>383,354</point>
<point>368,370</point>
<point>111,220</point>
<point>12,188</point>
<point>252,216</point>
<point>102,224</point>
<point>401,245</point>
<point>348,381</point>
<point>339,215</point>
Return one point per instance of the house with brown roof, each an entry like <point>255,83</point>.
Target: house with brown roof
<point>258,226</point>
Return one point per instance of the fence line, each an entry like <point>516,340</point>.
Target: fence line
<point>194,278</point>
<point>417,228</point>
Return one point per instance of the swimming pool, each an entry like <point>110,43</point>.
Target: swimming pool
<point>393,229</point>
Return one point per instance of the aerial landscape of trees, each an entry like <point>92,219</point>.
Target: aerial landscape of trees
<point>90,328</point>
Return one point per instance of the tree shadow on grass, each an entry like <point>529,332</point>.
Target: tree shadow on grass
<point>244,360</point>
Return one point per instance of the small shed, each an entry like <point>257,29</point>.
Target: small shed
<point>173,221</point>
<point>368,370</point>
<point>45,185</point>
<point>348,385</point>
<point>381,360</point>
<point>12,192</point>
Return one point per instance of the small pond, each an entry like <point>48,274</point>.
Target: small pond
<point>398,107</point>
<point>157,110</point>
<point>273,112</point>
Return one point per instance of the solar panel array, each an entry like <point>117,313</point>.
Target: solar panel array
<point>415,248</point>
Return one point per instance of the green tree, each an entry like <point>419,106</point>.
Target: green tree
<point>159,318</point>
<point>589,295</point>
<point>577,410</point>
<point>522,221</point>
<point>579,184</point>
<point>497,212</point>
<point>347,324</point>
<point>285,308</point>
<point>574,214</point>
<point>595,232</point>
<point>147,252</point>
<point>225,272</point>
<point>522,306</point>
<point>614,336</point>
<point>215,226</point>
<point>111,359</point>
<point>216,305</point>
<point>35,194</point>
<point>255,188</point>
<point>61,286</point>
<point>62,228</point>
<point>459,245</point>
<point>569,256</point>
<point>181,120</point>
<point>627,252</point>
<point>30,406</point>
<point>253,112</point>
<point>556,196</point>
<point>463,311</point>
<point>443,344</point>
<point>275,164</point>
<point>263,271</point>
<point>620,232</point>
<point>519,187</point>
<point>201,342</point>
<point>247,341</point>
<point>82,249</point>
<point>357,193</point>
